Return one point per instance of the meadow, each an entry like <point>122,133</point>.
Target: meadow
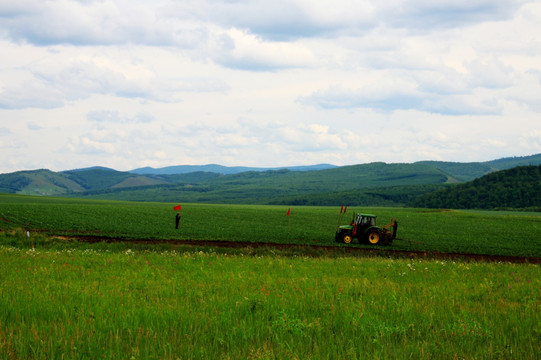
<point>92,301</point>
<point>66,299</point>
<point>478,232</point>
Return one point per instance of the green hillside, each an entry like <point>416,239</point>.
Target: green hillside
<point>98,178</point>
<point>511,162</point>
<point>38,182</point>
<point>516,188</point>
<point>46,182</point>
<point>376,183</point>
<point>463,172</point>
<point>460,172</point>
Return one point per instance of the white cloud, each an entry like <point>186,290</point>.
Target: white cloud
<point>315,138</point>
<point>530,139</point>
<point>87,145</point>
<point>241,50</point>
<point>33,126</point>
<point>107,116</point>
<point>55,80</point>
<point>133,83</point>
<point>490,74</point>
<point>96,23</point>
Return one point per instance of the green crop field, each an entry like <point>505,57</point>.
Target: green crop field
<point>94,301</point>
<point>478,232</point>
<point>65,299</point>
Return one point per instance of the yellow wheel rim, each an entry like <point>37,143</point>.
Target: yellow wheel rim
<point>373,238</point>
<point>347,239</point>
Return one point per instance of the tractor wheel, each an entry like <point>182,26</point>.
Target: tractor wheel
<point>346,239</point>
<point>339,237</point>
<point>373,237</point>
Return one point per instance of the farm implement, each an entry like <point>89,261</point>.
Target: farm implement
<point>363,227</point>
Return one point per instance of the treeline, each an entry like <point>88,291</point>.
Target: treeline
<point>517,188</point>
<point>379,196</point>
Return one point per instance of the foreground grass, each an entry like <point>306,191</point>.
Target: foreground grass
<point>109,302</point>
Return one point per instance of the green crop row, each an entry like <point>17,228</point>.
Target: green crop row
<point>500,233</point>
<point>83,303</point>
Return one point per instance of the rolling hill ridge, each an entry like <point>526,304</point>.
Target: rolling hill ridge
<point>518,187</point>
<point>365,184</point>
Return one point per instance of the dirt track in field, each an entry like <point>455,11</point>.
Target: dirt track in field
<point>387,251</point>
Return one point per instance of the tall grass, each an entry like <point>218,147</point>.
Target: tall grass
<point>102,303</point>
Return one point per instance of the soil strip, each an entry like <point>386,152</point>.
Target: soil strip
<point>322,248</point>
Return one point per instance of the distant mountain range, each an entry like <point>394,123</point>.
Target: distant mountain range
<point>219,169</point>
<point>365,184</point>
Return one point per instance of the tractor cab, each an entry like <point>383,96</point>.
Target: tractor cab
<point>364,220</point>
<point>361,223</point>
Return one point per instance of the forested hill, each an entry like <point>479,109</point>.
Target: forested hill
<point>373,184</point>
<point>516,188</point>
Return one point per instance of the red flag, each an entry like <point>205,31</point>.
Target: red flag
<point>346,209</point>
<point>177,208</point>
<point>342,208</point>
<point>288,212</point>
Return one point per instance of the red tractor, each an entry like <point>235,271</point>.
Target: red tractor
<point>363,228</point>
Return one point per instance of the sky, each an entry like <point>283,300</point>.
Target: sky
<point>133,83</point>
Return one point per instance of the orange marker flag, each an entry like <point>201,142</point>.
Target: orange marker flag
<point>288,212</point>
<point>177,208</point>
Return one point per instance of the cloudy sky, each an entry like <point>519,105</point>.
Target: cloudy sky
<point>133,83</point>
